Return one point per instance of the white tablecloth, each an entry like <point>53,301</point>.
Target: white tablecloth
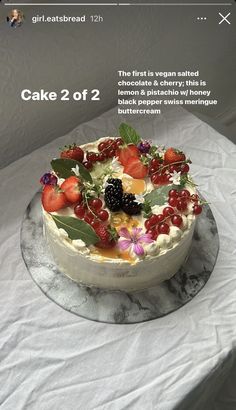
<point>52,359</point>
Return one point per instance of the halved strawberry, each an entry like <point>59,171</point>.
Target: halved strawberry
<point>135,168</point>
<point>71,189</point>
<point>73,152</point>
<point>124,153</point>
<point>53,198</point>
<point>173,155</point>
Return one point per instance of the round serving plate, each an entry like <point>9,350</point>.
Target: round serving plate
<point>117,306</point>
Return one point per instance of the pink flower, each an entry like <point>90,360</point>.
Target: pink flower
<point>133,240</point>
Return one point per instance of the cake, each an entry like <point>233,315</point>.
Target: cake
<point>119,213</point>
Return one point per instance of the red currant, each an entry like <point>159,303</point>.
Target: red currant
<point>184,193</point>
<point>111,153</point>
<point>173,168</point>
<point>153,233</point>
<point>168,211</point>
<point>118,142</point>
<point>92,156</point>
<point>172,201</point>
<point>147,224</point>
<point>160,217</point>
<point>79,210</point>
<point>88,165</point>
<point>176,220</point>
<point>157,179</point>
<point>101,146</point>
<point>154,219</point>
<point>173,193</point>
<point>184,169</point>
<point>95,203</point>
<point>103,215</point>
<point>164,228</point>
<point>151,170</point>
<point>181,205</point>
<point>155,163</point>
<point>102,157</point>
<point>197,209</point>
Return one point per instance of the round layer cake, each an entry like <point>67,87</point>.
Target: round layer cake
<point>119,213</point>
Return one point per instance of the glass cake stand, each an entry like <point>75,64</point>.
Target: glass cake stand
<point>117,306</point>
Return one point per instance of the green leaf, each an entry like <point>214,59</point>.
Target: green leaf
<point>76,229</point>
<point>159,196</point>
<point>128,134</point>
<point>63,168</point>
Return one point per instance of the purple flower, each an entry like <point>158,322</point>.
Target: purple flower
<point>48,179</point>
<point>133,240</point>
<point>144,147</point>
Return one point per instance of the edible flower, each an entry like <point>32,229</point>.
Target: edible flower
<point>175,177</point>
<point>76,170</point>
<point>133,240</point>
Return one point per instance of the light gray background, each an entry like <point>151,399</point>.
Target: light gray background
<point>78,56</point>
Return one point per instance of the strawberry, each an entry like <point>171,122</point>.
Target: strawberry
<point>124,153</point>
<point>53,198</point>
<point>73,152</point>
<point>135,168</point>
<point>173,155</point>
<point>108,236</point>
<point>71,189</point>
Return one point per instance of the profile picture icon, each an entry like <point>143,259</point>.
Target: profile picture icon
<point>15,18</point>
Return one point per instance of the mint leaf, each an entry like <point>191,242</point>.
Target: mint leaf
<point>63,168</point>
<point>76,229</point>
<point>159,196</point>
<point>128,134</point>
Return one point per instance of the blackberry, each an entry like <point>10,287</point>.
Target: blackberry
<point>113,194</point>
<point>129,205</point>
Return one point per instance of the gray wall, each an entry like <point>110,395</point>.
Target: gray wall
<point>77,56</point>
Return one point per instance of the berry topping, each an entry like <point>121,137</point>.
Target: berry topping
<point>144,147</point>
<point>177,220</point>
<point>48,179</point>
<point>135,168</point>
<point>168,211</point>
<point>92,156</point>
<point>71,188</point>
<point>129,204</point>
<point>53,198</point>
<point>95,204</point>
<point>197,209</point>
<point>73,152</point>
<point>80,210</point>
<point>163,228</point>
<point>108,236</point>
<point>103,215</point>
<point>113,194</point>
<point>124,153</point>
<point>173,193</point>
<point>88,165</point>
<point>184,193</point>
<point>173,155</point>
<point>181,204</point>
